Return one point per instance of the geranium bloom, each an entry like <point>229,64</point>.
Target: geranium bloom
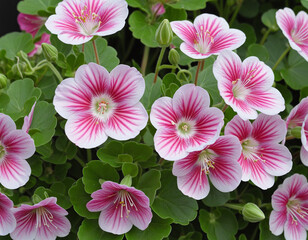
<point>31,24</point>
<point>185,123</point>
<point>247,87</point>
<point>98,104</point>
<point>28,120</point>
<point>121,207</point>
<point>208,35</point>
<point>290,204</point>
<point>304,138</point>
<point>218,161</point>
<point>43,221</point>
<point>262,156</point>
<point>295,28</point>
<point>78,21</point>
<point>15,147</point>
<point>7,219</point>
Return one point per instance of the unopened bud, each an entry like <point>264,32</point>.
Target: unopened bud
<point>158,9</point>
<point>174,57</point>
<point>252,213</point>
<point>164,33</point>
<point>50,52</point>
<point>3,81</point>
<point>296,132</point>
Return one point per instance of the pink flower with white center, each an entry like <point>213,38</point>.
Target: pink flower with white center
<point>185,123</point>
<point>121,207</point>
<point>208,35</point>
<point>7,219</point>
<point>247,87</point>
<point>290,204</point>
<point>262,156</point>
<point>304,138</point>
<point>158,9</point>
<point>295,28</point>
<point>217,161</point>
<point>98,104</point>
<point>28,120</point>
<point>15,147</point>
<point>43,221</point>
<point>78,21</point>
<point>45,38</point>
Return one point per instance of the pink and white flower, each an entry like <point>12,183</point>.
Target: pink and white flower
<point>15,147</point>
<point>31,24</point>
<point>304,138</point>
<point>43,221</point>
<point>295,28</point>
<point>7,219</point>
<point>78,21</point>
<point>217,161</point>
<point>262,156</point>
<point>185,123</point>
<point>208,35</point>
<point>28,120</point>
<point>290,204</point>
<point>247,87</point>
<point>158,9</point>
<point>98,104</point>
<point>121,207</point>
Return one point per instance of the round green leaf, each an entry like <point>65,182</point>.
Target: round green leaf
<point>152,91</point>
<point>130,169</point>
<point>269,19</point>
<point>249,8</point>
<point>189,4</point>
<point>171,203</point>
<point>109,153</point>
<point>216,198</point>
<point>304,93</point>
<point>258,51</point>
<point>140,152</point>
<point>149,183</point>
<point>33,7</point>
<point>304,3</point>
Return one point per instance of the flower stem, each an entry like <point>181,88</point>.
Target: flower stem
<point>265,36</point>
<point>55,71</point>
<point>197,72</point>
<point>79,160</point>
<point>234,206</point>
<point>225,107</point>
<point>82,48</point>
<point>160,58</point>
<point>281,57</point>
<point>202,64</point>
<point>95,51</point>
<point>238,7</point>
<point>145,59</point>
<point>89,155</point>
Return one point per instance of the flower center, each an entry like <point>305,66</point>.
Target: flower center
<point>299,37</point>
<point>88,21</point>
<point>102,107</point>
<point>206,160</point>
<point>203,41</point>
<point>126,203</point>
<point>251,150</point>
<point>2,152</point>
<point>44,217</point>
<point>185,128</point>
<point>296,210</point>
<point>240,89</point>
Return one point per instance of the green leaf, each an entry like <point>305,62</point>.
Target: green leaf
<point>303,93</point>
<point>141,4</point>
<point>56,173</point>
<point>130,169</point>
<point>4,101</point>
<point>79,199</point>
<point>149,183</point>
<point>249,8</point>
<point>304,3</point>
<point>33,7</point>
<point>269,19</point>
<point>22,94</point>
<point>66,146</point>
<point>295,75</point>
<point>218,225</point>
<point>36,165</point>
<point>107,55</point>
<point>48,85</point>
<point>140,152</point>
<point>56,157</point>
<point>96,170</point>
<point>258,51</point>
<point>216,198</point>
<point>286,93</point>
<point>191,236</point>
<point>109,153</point>
<point>157,230</point>
<point>13,42</point>
<point>61,46</point>
<point>152,91</point>
<point>249,32</point>
<point>189,5</point>
<point>171,203</point>
<point>265,233</point>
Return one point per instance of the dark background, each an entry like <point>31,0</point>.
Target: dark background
<point>8,16</point>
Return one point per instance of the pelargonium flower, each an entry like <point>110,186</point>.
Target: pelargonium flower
<point>217,161</point>
<point>247,87</point>
<point>78,21</point>
<point>98,104</point>
<point>185,123</point>
<point>7,219</point>
<point>208,35</point>
<point>28,120</point>
<point>295,28</point>
<point>15,147</point>
<point>262,156</point>
<point>121,207</point>
<point>43,221</point>
<point>290,204</point>
<point>304,138</point>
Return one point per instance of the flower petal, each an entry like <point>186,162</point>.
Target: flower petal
<point>185,30</point>
<point>30,23</point>
<point>211,23</point>
<point>286,21</point>
<point>191,52</point>
<point>26,224</point>
<point>259,176</point>
<point>280,199</point>
<point>293,184</point>
<point>304,156</point>
<point>6,125</point>
<point>298,114</point>
<point>184,166</point>
<point>293,230</point>
<point>245,165</point>
<point>239,128</point>
<point>7,219</point>
<point>141,218</point>
<point>277,221</point>
<point>304,133</point>
<point>28,120</point>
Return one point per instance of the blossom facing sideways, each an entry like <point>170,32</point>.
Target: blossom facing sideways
<point>28,120</point>
<point>290,208</point>
<point>43,221</point>
<point>7,219</point>
<point>217,161</point>
<point>295,29</point>
<point>247,86</point>
<point>98,104</point>
<point>78,21</point>
<point>121,207</point>
<point>15,147</point>
<point>208,35</point>
<point>185,123</point>
<point>262,156</point>
<point>304,138</point>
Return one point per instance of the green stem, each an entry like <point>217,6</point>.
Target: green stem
<point>160,58</point>
<point>55,71</point>
<point>238,7</point>
<point>225,107</point>
<point>234,206</point>
<point>145,59</point>
<point>197,72</point>
<point>89,155</point>
<point>166,66</point>
<point>79,160</point>
<point>265,36</point>
<point>95,52</point>
<point>281,57</point>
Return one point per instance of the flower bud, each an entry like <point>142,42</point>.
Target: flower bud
<point>296,132</point>
<point>3,81</point>
<point>252,213</point>
<point>164,33</point>
<point>174,57</point>
<point>50,52</point>
<point>158,9</point>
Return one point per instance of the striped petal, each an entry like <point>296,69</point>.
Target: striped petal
<point>277,221</point>
<point>304,156</point>
<point>239,128</point>
<point>259,176</point>
<point>7,219</point>
<point>184,166</point>
<point>293,230</point>
<point>304,133</point>
<point>298,114</point>
<point>184,30</point>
